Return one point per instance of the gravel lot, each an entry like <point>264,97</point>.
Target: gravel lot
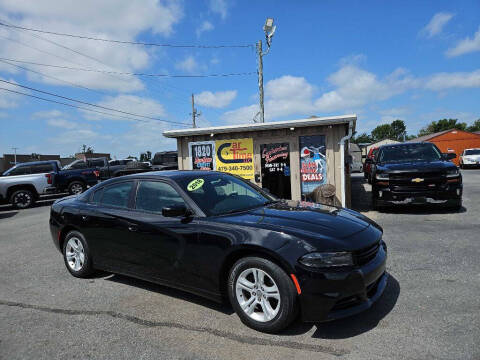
<point>430,310</point>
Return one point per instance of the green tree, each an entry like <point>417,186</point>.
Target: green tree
<point>475,126</point>
<point>87,149</point>
<point>381,132</point>
<point>146,156</point>
<point>398,130</point>
<point>441,125</point>
<point>362,138</point>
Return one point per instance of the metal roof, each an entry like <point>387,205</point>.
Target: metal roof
<point>316,121</point>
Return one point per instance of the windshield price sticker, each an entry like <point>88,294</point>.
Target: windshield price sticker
<point>195,184</point>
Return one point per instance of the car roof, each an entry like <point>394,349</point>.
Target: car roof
<point>403,144</point>
<point>36,162</point>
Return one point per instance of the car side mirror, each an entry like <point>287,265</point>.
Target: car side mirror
<point>449,156</point>
<point>175,210</point>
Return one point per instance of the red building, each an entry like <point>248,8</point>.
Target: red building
<point>452,140</point>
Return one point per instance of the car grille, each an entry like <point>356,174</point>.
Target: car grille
<point>430,181</point>
<point>366,255</point>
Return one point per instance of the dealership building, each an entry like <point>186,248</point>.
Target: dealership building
<point>290,158</point>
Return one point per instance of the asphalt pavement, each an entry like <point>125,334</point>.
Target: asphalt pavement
<point>430,309</point>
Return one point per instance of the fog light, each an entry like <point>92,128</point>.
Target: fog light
<point>380,193</point>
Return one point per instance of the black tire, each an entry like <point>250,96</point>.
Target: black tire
<point>455,206</point>
<point>365,175</point>
<point>86,268</point>
<point>22,199</point>
<point>76,187</point>
<point>288,308</point>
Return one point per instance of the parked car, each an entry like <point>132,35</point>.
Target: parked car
<point>220,236</point>
<point>120,162</point>
<point>165,160</point>
<point>356,166</point>
<point>106,170</point>
<point>367,165</point>
<point>25,183</point>
<point>470,158</point>
<point>415,173</point>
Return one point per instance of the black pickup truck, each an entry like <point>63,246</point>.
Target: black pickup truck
<point>415,173</point>
<point>107,170</point>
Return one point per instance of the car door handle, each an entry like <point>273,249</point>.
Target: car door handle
<point>132,227</point>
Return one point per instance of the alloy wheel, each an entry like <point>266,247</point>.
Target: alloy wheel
<point>76,188</point>
<point>75,254</point>
<point>257,294</point>
<point>22,200</point>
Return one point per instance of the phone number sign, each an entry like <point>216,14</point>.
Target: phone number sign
<point>235,156</point>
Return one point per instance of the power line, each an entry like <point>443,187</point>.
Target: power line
<point>51,77</point>
<point>71,105</point>
<point>89,104</point>
<point>126,41</point>
<point>128,73</point>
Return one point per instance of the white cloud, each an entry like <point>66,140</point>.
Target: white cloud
<point>128,103</point>
<point>443,81</point>
<point>219,99</point>
<point>220,7</point>
<point>466,46</point>
<point>436,24</point>
<point>189,65</point>
<point>47,114</point>
<point>204,26</point>
<point>7,98</point>
<point>62,123</point>
<point>353,88</point>
<point>77,17</point>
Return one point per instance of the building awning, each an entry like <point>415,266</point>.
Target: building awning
<point>315,121</point>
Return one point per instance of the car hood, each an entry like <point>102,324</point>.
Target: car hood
<point>416,166</point>
<point>326,227</point>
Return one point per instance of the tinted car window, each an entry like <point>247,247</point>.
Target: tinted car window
<point>42,168</point>
<point>155,195</point>
<point>218,194</point>
<point>414,152</point>
<point>114,162</point>
<point>97,196</point>
<point>117,195</point>
<point>472,152</point>
<point>79,165</point>
<point>21,170</point>
<point>96,163</point>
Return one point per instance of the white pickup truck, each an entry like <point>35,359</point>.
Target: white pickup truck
<point>24,183</point>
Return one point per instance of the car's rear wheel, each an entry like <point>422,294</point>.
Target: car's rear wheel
<point>22,199</point>
<point>76,255</point>
<point>76,187</point>
<point>262,294</point>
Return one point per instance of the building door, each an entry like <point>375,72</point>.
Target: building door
<point>276,169</point>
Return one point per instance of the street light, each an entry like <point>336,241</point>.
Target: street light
<point>269,30</point>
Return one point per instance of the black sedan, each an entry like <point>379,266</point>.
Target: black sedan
<point>219,236</point>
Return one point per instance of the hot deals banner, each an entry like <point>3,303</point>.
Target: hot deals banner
<point>235,156</point>
<point>313,163</point>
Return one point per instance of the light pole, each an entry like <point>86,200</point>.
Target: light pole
<point>15,154</point>
<point>269,30</point>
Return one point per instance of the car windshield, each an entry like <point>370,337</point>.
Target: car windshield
<point>218,194</point>
<point>411,152</point>
<point>472,152</point>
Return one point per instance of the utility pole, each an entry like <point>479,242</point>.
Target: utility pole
<point>260,80</point>
<point>15,156</point>
<point>269,30</point>
<point>195,113</point>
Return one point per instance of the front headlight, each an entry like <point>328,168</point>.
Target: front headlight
<point>452,173</point>
<point>382,176</point>
<point>329,259</point>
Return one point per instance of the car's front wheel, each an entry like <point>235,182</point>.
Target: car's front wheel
<point>76,255</point>
<point>262,294</point>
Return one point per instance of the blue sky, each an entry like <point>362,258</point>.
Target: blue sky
<point>414,60</point>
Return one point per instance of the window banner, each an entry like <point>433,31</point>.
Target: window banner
<point>235,156</point>
<point>313,163</point>
<point>202,155</point>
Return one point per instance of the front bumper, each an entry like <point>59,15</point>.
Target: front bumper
<point>444,195</point>
<point>333,295</point>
